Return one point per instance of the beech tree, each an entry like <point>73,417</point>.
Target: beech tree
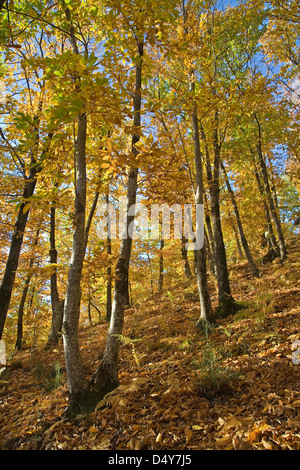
<point>143,33</point>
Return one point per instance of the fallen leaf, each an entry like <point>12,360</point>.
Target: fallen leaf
<point>267,445</point>
<point>93,429</point>
<point>223,441</point>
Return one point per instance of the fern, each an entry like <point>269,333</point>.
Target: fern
<point>130,342</point>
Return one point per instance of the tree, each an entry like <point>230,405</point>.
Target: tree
<point>20,225</point>
<point>77,384</point>
<point>253,267</point>
<point>106,377</point>
<point>275,216</point>
<point>56,302</point>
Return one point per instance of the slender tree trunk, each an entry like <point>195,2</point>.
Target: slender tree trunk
<point>270,230</point>
<point>17,238</point>
<point>238,244</point>
<point>184,255</point>
<point>210,238</point>
<point>161,266</point>
<point>273,186</point>
<point>200,254</point>
<point>226,301</point>
<point>108,269</point>
<point>89,304</point>
<point>56,303</point>
<point>19,340</point>
<point>210,254</point>
<point>76,380</point>
<point>106,377</point>
<point>14,254</point>
<point>151,277</point>
<point>253,267</point>
<point>77,384</point>
<point>30,310</point>
<point>215,232</point>
<point>275,216</point>
<point>201,270</point>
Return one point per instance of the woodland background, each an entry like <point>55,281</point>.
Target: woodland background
<point>141,344</point>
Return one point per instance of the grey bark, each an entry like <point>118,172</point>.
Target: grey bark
<point>216,234</point>
<point>186,265</point>
<point>252,265</point>
<point>161,266</point>
<point>77,384</point>
<point>275,215</point>
<point>272,238</point>
<point>201,269</point>
<point>19,340</point>
<point>18,233</point>
<point>76,380</point>
<point>108,269</point>
<point>106,377</point>
<point>57,304</point>
<point>224,291</point>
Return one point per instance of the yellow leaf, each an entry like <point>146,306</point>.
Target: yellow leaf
<point>257,431</point>
<point>196,427</point>
<point>138,445</point>
<point>26,207</point>
<point>93,429</point>
<point>233,422</point>
<point>189,435</point>
<point>223,441</point>
<point>267,445</point>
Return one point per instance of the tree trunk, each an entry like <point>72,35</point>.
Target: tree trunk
<point>161,266</point>
<point>108,269</point>
<point>76,380</point>
<point>254,270</point>
<point>272,238</point>
<point>226,301</point>
<point>275,216</point>
<point>56,303</point>
<point>238,244</point>
<point>14,254</point>
<point>186,265</point>
<point>106,377</point>
<point>210,255</point>
<point>77,384</point>
<point>17,239</point>
<point>211,242</point>
<point>19,340</point>
<point>201,270</point>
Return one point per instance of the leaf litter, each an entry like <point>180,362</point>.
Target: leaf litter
<point>233,387</point>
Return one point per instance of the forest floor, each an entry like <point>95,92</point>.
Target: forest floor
<point>234,386</point>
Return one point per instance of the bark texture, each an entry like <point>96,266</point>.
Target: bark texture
<point>106,377</point>
<point>200,259</point>
<point>76,380</point>
<point>12,263</point>
<point>57,304</point>
<point>253,268</point>
<point>274,213</point>
<point>19,340</point>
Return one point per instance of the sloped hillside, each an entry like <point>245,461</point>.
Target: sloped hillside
<point>234,386</point>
